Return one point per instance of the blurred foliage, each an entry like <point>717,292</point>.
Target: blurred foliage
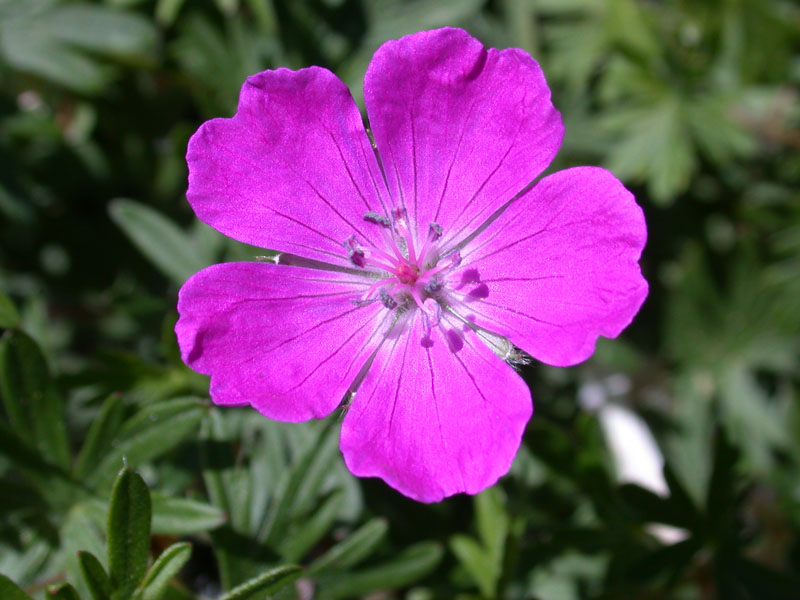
<point>694,104</point>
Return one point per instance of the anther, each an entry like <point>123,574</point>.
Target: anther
<point>387,300</point>
<point>434,231</point>
<point>375,218</point>
<point>363,302</point>
<point>433,286</point>
<point>354,252</point>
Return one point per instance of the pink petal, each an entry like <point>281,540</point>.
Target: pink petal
<point>292,171</point>
<point>460,129</point>
<point>560,267</point>
<point>287,340</point>
<point>436,415</point>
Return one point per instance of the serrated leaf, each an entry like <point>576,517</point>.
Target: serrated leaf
<point>178,516</point>
<point>163,570</point>
<point>406,568</point>
<point>165,244</point>
<point>95,576</point>
<point>358,546</point>
<point>154,430</point>
<point>268,583</point>
<point>128,533</point>
<point>10,590</point>
<point>63,591</point>
<point>9,316</point>
<point>30,397</point>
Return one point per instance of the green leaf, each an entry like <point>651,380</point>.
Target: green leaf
<point>166,245</point>
<point>177,516</point>
<point>9,317</point>
<point>44,473</point>
<point>163,570</point>
<point>492,522</point>
<point>95,576</point>
<point>153,431</point>
<point>100,436</point>
<point>295,546</point>
<point>477,562</point>
<point>66,43</point>
<point>30,397</point>
<point>80,534</point>
<point>63,591</point>
<point>656,147</point>
<point>167,11</point>
<point>352,550</point>
<point>267,583</point>
<point>302,484</point>
<point>406,568</point>
<point>10,591</point>
<point>128,533</point>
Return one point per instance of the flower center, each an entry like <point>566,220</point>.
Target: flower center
<point>406,275</point>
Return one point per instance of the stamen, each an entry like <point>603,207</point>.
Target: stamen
<point>363,301</point>
<point>375,218</point>
<point>354,252</point>
<point>400,222</point>
<point>433,286</point>
<point>387,300</point>
<point>371,290</point>
<point>434,233</point>
<point>432,312</point>
<point>448,263</point>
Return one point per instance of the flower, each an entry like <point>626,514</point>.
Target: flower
<point>412,266</point>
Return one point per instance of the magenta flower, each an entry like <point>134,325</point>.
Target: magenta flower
<point>410,271</point>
